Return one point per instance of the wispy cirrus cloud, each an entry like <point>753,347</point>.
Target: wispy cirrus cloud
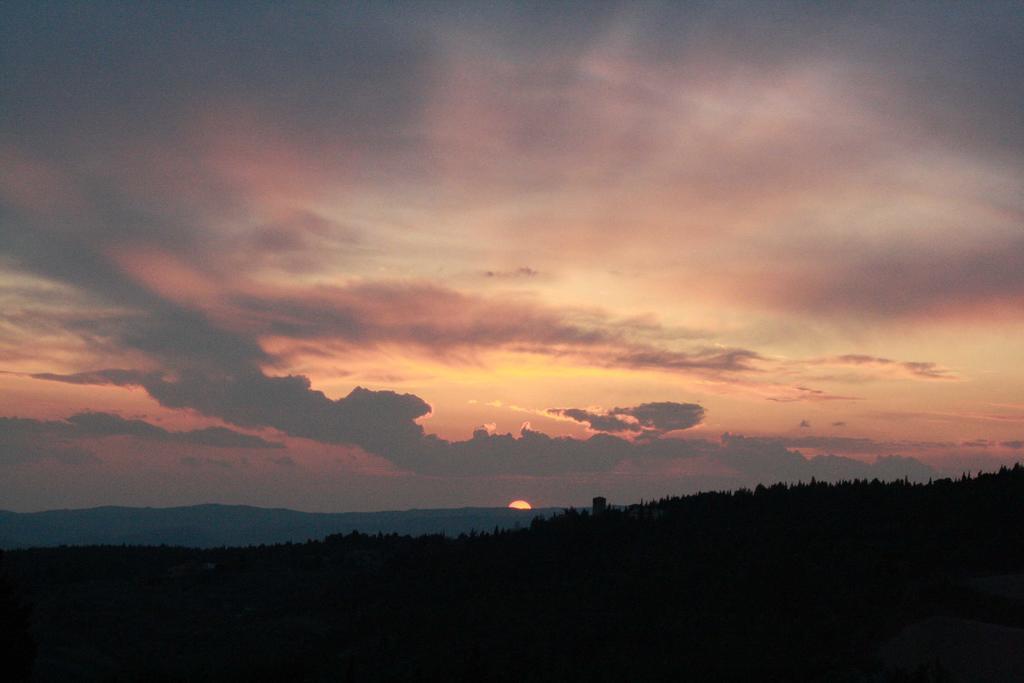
<point>226,330</point>
<point>915,369</point>
<point>520,272</point>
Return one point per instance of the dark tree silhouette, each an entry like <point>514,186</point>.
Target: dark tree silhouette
<point>17,649</point>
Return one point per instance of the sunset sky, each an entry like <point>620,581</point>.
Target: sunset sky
<point>363,257</point>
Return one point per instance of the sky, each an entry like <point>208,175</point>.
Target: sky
<point>401,255</point>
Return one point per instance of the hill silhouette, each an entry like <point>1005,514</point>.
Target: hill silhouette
<point>210,526</point>
<point>814,581</point>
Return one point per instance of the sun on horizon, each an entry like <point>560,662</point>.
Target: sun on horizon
<point>520,505</point>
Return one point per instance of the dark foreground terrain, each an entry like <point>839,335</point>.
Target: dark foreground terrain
<point>850,582</point>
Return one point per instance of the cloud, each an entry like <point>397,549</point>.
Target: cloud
<point>444,321</point>
<point>664,416</point>
<point>224,333</point>
<point>897,467</point>
<point>375,420</point>
<point>193,461</point>
<point>908,278</point>
<point>804,424</point>
<point>384,423</point>
<point>23,440</point>
<point>419,314</point>
<point>804,394</point>
<point>298,242</point>
<point>212,361</point>
<point>846,444</point>
<point>888,467</point>
<point>648,418</point>
<point>768,460</point>
<point>397,102</point>
<point>137,203</point>
<point>112,376</point>
<point>1016,445</point>
<point>599,422</point>
<point>108,424</point>
<point>713,359</point>
<point>522,271</point>
<point>26,439</point>
<point>918,369</point>
<point>530,453</point>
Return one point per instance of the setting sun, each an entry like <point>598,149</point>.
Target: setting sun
<point>520,505</point>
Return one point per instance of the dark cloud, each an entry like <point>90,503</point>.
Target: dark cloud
<point>750,461</point>
<point>222,437</point>
<point>384,423</point>
<point>1016,445</point>
<point>25,439</point>
<point>189,339</point>
<point>108,424</point>
<point>898,466</point>
<point>761,461</point>
<point>887,467</point>
<point>839,423</point>
<point>600,422</point>
<point>650,418</point>
<point>768,460</point>
<point>362,68</point>
<point>532,453</point>
<point>194,461</point>
<point>804,424</point>
<point>664,416</point>
<point>375,420</point>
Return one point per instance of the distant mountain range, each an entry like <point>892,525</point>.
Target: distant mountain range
<point>206,526</point>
